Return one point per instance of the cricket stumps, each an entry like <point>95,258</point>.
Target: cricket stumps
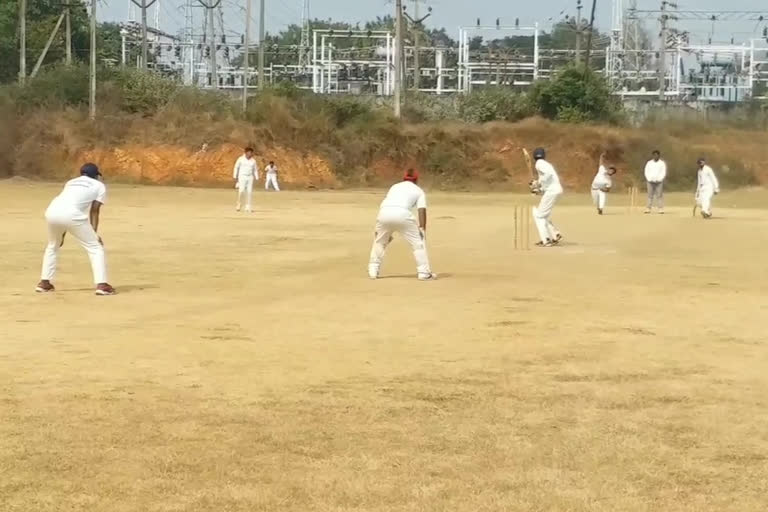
<point>522,217</point>
<point>631,198</point>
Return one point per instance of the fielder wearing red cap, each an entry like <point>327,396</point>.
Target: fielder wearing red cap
<point>411,175</point>
<point>76,211</point>
<point>395,216</point>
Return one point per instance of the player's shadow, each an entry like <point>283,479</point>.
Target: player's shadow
<point>440,276</point>
<point>121,289</point>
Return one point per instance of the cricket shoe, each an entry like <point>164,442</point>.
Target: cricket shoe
<point>548,243</point>
<point>558,239</point>
<point>428,277</point>
<point>599,211</point>
<point>45,286</point>
<point>647,210</point>
<point>105,289</point>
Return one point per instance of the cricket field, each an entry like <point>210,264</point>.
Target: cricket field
<point>248,364</point>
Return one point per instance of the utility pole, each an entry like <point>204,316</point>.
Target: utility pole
<point>578,30</point>
<point>144,6</point>
<point>398,54</point>
<point>589,35</point>
<point>68,36</point>
<point>212,41</point>
<point>663,51</point>
<point>246,54</point>
<point>417,27</point>
<point>92,95</point>
<point>261,45</point>
<point>22,41</point>
<point>41,58</point>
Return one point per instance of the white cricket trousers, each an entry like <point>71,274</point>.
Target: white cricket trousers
<point>58,225</point>
<point>244,192</point>
<point>382,238</point>
<point>542,216</point>
<point>598,197</point>
<point>271,179</point>
<point>704,200</point>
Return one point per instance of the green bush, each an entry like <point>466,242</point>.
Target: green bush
<point>576,94</point>
<point>494,104</point>
<point>142,92</point>
<point>55,87</point>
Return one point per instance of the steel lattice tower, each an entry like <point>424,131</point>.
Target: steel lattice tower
<point>304,59</point>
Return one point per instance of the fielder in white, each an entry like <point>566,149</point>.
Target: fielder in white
<point>245,172</point>
<point>602,184</point>
<point>547,184</point>
<point>707,186</point>
<point>76,211</point>
<point>271,177</point>
<point>395,217</point>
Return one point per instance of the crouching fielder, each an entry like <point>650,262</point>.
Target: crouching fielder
<point>602,184</point>
<point>707,186</point>
<point>76,211</point>
<point>547,184</point>
<point>395,217</point>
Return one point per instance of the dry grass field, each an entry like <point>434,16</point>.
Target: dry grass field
<point>248,364</point>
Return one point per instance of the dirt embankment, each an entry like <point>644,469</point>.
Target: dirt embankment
<point>450,155</point>
<point>176,165</point>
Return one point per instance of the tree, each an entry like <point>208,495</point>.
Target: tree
<point>42,16</point>
<point>576,94</point>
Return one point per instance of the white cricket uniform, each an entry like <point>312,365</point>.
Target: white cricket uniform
<point>70,212</point>
<point>707,186</point>
<point>245,172</point>
<point>271,179</point>
<point>551,190</point>
<point>395,216</point>
<point>602,180</point>
<point>655,174</point>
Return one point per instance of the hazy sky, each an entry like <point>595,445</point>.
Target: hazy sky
<point>446,13</point>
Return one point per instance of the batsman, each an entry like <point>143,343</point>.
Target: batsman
<point>546,183</point>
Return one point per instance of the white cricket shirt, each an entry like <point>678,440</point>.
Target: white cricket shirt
<point>549,181</point>
<point>655,172</point>
<point>245,168</point>
<point>77,197</point>
<point>400,200</point>
<point>271,169</point>
<point>602,179</point>
<point>707,181</point>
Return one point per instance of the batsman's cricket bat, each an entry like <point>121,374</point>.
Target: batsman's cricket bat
<point>529,162</point>
<point>62,239</point>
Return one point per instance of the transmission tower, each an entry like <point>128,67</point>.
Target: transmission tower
<point>304,44</point>
<point>615,60</point>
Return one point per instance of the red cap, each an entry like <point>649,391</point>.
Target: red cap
<point>411,175</point>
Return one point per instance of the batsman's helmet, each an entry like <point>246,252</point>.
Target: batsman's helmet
<point>90,170</point>
<point>539,153</point>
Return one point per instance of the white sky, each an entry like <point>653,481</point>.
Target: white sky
<point>446,13</point>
